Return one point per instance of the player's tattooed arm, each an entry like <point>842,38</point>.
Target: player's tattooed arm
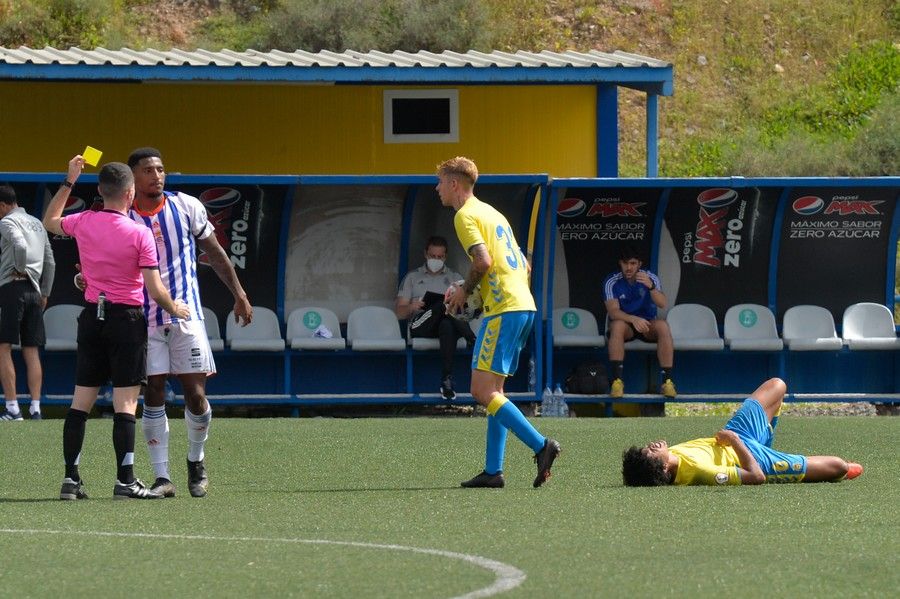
<point>481,263</point>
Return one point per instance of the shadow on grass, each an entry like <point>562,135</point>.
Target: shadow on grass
<point>29,499</point>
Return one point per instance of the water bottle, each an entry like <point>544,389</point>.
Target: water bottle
<point>559,402</point>
<point>546,402</point>
<point>532,375</point>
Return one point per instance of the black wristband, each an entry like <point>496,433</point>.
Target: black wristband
<point>652,285</point>
<point>67,183</point>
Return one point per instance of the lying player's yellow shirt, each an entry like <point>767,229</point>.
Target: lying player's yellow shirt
<point>705,462</point>
<point>504,288</point>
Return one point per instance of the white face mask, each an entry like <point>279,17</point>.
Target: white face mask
<point>434,265</point>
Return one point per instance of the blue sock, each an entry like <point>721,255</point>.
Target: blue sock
<point>495,448</point>
<point>509,416</point>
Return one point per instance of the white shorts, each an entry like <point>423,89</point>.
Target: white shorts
<point>179,348</point>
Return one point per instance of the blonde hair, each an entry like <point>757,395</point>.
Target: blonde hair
<point>459,166</point>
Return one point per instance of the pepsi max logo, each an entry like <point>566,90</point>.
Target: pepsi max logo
<point>74,204</point>
<point>808,205</point>
<point>217,198</point>
<point>717,197</point>
<point>570,207</point>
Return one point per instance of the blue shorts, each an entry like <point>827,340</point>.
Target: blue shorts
<point>500,339</point>
<point>751,424</point>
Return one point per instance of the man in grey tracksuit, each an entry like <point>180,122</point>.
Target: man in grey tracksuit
<point>27,269</point>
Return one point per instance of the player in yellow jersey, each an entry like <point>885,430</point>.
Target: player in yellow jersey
<point>739,454</point>
<point>501,269</point>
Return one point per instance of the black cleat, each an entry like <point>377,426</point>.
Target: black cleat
<point>491,481</point>
<point>164,487</point>
<point>72,489</point>
<point>134,490</point>
<point>198,482</point>
<point>544,459</point>
<point>447,391</point>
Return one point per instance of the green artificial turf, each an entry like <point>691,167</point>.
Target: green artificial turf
<point>281,487</point>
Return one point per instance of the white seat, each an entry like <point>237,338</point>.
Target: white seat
<point>262,334</point>
<point>751,327</point>
<point>809,328</point>
<point>576,327</point>
<point>694,328</point>
<point>213,332</point>
<point>61,327</point>
<point>374,328</point>
<point>869,326</point>
<point>304,322</point>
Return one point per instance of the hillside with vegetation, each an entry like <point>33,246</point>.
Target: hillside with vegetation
<point>762,87</point>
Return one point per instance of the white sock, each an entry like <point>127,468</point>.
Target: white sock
<point>197,431</point>
<point>155,425</point>
<point>35,406</point>
<point>12,406</point>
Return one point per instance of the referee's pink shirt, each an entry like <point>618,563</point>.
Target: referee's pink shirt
<point>113,250</point>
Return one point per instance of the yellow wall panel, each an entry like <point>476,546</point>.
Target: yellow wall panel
<point>291,129</point>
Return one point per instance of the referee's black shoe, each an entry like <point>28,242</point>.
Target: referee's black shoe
<point>134,490</point>
<point>72,489</point>
<point>198,482</point>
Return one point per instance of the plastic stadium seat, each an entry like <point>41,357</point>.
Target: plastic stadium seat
<point>694,328</point>
<point>809,328</point>
<point>211,321</point>
<point>303,323</point>
<point>61,326</point>
<point>374,328</point>
<point>575,327</point>
<point>869,326</point>
<point>262,334</point>
<point>751,327</point>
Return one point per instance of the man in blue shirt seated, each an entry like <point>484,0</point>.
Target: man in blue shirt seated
<point>632,297</point>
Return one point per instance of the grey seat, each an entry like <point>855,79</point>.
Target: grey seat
<point>262,334</point>
<point>751,327</point>
<point>374,328</point>
<point>213,332</point>
<point>576,327</point>
<point>869,326</point>
<point>694,328</point>
<point>304,322</point>
<point>61,327</point>
<point>809,328</point>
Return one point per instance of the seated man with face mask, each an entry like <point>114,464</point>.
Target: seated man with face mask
<point>420,299</point>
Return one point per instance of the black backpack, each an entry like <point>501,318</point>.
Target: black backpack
<point>588,378</point>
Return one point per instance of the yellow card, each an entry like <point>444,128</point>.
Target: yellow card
<point>92,155</point>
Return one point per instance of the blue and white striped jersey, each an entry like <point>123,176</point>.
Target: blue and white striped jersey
<point>177,224</point>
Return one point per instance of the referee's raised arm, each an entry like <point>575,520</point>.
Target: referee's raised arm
<point>53,216</point>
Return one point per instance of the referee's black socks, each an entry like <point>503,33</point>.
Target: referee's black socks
<point>123,442</point>
<point>73,439</point>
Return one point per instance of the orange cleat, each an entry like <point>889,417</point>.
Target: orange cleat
<point>853,470</point>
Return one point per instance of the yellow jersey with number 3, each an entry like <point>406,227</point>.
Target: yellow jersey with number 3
<point>504,288</point>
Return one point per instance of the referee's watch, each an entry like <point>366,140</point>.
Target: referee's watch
<point>67,183</point>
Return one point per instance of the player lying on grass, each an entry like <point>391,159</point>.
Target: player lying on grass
<point>740,454</point>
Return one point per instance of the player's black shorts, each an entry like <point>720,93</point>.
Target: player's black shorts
<point>637,335</point>
<point>21,314</point>
<point>114,349</point>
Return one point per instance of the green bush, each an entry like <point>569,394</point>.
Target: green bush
<point>57,23</point>
<point>387,25</point>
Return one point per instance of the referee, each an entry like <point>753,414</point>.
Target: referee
<point>118,259</point>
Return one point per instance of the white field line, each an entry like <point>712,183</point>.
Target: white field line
<point>507,577</point>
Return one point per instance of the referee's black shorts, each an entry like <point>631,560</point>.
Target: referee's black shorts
<point>114,349</point>
<point>21,314</point>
